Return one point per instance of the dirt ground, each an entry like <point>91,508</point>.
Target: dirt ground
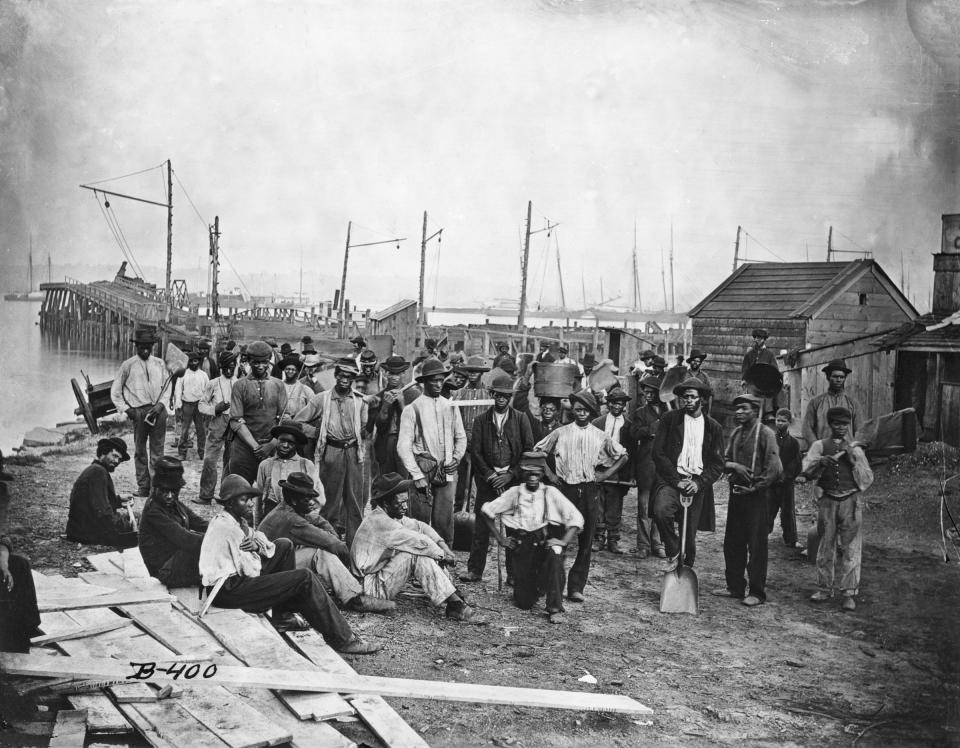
<point>787,672</point>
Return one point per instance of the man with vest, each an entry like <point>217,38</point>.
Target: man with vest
<point>618,427</point>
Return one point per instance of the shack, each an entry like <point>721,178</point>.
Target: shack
<point>399,322</point>
<point>814,312</point>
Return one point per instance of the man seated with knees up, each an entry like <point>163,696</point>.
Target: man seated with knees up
<point>97,515</point>
<point>170,533</point>
<point>316,543</point>
<point>391,548</point>
<point>260,574</point>
<point>540,523</point>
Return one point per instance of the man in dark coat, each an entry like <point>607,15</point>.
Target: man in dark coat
<point>170,532</point>
<point>500,437</point>
<point>781,492</point>
<point>97,515</point>
<point>688,456</point>
<point>19,614</point>
<point>392,400</point>
<point>645,421</point>
<point>617,426</point>
<point>758,353</point>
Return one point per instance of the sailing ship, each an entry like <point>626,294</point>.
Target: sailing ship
<point>32,294</point>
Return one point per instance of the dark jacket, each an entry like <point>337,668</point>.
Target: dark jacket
<point>165,531</point>
<point>486,443</point>
<point>314,531</point>
<point>643,428</point>
<point>789,457</point>
<point>625,473</point>
<point>93,516</point>
<point>753,356</point>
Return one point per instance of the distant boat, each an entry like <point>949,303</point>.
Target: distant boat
<point>30,295</point>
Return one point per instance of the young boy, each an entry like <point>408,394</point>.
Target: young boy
<point>781,492</point>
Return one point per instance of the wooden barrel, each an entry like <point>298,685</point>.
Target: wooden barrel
<point>554,380</point>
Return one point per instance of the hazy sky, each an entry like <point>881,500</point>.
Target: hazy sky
<point>288,119</point>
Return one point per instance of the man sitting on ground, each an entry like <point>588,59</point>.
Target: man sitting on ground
<point>273,470</point>
<point>260,574</point>
<point>391,548</point>
<point>97,515</point>
<point>170,532</point>
<point>19,614</point>
<point>317,545</point>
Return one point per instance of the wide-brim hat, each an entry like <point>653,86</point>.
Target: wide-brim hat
<point>586,398</point>
<point>839,415</point>
<point>431,368</point>
<point>588,359</point>
<point>649,382</point>
<point>300,483</point>
<point>114,442</point>
<point>696,354</point>
<point>616,394</point>
<point>312,359</point>
<point>534,461</point>
<point>291,360</point>
<point>476,363</point>
<point>293,428</point>
<point>837,364</point>
<point>692,383</point>
<point>389,484</point>
<point>233,487</point>
<point>143,336</point>
<point>395,364</point>
<point>503,384</point>
<point>168,473</point>
<point>751,400</point>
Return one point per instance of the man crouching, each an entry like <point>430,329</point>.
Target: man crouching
<point>540,523</point>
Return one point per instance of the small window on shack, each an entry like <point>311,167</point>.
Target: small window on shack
<point>863,299</point>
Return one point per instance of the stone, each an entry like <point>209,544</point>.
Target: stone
<point>41,437</point>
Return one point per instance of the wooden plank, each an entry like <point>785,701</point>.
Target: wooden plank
<point>233,721</point>
<point>306,680</point>
<point>379,716</point>
<point>165,724</point>
<point>69,729</point>
<point>103,718</point>
<point>107,562</point>
<point>80,633</point>
<point>304,733</point>
<point>104,601</point>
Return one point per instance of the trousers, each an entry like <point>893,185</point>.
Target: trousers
<point>387,583</point>
<point>436,509</point>
<point>342,478</point>
<point>243,461</point>
<point>481,533</point>
<point>19,615</point>
<point>586,498</point>
<point>336,578</point>
<point>781,499</point>
<point>840,526</point>
<point>216,459</point>
<point>668,515</point>
<point>182,569</point>
<point>192,415</point>
<point>144,434</point>
<point>611,510</point>
<point>537,570</point>
<point>745,544</point>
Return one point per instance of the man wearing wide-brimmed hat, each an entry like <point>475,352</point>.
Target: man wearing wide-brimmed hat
<point>256,405</point>
<point>815,424</point>
<point>431,426</point>
<point>391,549</point>
<point>688,456</point>
<point>170,533</point>
<point>338,418</point>
<point>216,407</point>
<point>97,515</point>
<point>646,420</point>
<point>500,436</point>
<point>138,391</point>
<point>316,543</point>
<point>286,460</point>
<point>585,457</point>
<point>617,425</point>
<point>19,614</point>
<point>260,574</point>
<point>392,400</point>
<point>187,394</point>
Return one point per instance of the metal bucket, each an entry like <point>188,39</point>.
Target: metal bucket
<point>554,380</point>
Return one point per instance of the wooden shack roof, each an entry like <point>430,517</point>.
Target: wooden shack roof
<point>391,310</point>
<point>930,333</point>
<point>790,290</point>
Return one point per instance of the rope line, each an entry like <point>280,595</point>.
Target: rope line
<point>131,174</point>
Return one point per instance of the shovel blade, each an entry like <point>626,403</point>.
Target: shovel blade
<point>680,592</point>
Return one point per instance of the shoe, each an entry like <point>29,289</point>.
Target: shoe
<point>819,596</point>
<point>289,622</point>
<point>598,544</point>
<point>724,592</point>
<point>555,617</point>
<point>575,597</point>
<point>660,552</point>
<point>462,612</point>
<point>357,646</point>
<point>509,581</point>
<point>751,601</point>
<point>849,603</point>
<point>470,576</point>
<point>642,552</point>
<point>204,502</point>
<point>367,604</point>
<point>670,564</point>
<point>614,547</point>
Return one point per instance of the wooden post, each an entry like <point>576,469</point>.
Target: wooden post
<point>736,249</point>
<point>521,318</point>
<point>421,314</point>
<point>343,282</point>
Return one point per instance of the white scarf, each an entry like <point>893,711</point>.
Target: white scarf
<point>690,461</point>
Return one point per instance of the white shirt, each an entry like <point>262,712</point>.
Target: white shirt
<point>524,510</point>
<point>217,391</point>
<point>220,554</point>
<point>191,387</point>
<point>613,425</point>
<point>690,461</point>
<point>139,383</point>
<point>579,451</point>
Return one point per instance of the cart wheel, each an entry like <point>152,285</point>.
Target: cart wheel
<point>84,409</point>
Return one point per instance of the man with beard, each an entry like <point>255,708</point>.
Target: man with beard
<point>431,426</point>
<point>393,398</point>
<point>688,456</point>
<point>286,460</point>
<point>137,390</point>
<point>170,533</point>
<point>260,574</point>
<point>617,426</point>
<point>216,406</point>
<point>187,394</point>
<point>297,393</point>
<point>97,515</point>
<point>317,545</point>
<point>341,416</point>
<point>585,457</point>
<point>256,404</point>
<point>646,419</point>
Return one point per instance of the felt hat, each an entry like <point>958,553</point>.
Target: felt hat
<point>839,415</point>
<point>587,400</point>
<point>431,368</point>
<point>168,473</point>
<point>203,344</point>
<point>696,353</point>
<point>563,348</point>
<point>389,484</point>
<point>647,355</point>
<point>306,340</point>
<point>225,358</point>
<point>346,366</point>
<point>749,399</point>
<point>311,359</point>
<point>299,483</point>
<point>544,345</point>
<point>272,342</point>
<point>533,461</point>
<point>4,475</point>
<point>837,364</point>
<point>395,364</point>
<point>233,487</point>
<point>194,356</point>
<point>291,360</point>
<point>358,340</point>
<point>259,349</point>
<point>502,384</point>
<point>114,442</point>
<point>616,394</point>
<point>659,361</point>
<point>508,365</point>
<point>368,357</point>
<point>286,348</point>
<point>476,363</point>
<point>692,383</point>
<point>649,382</point>
<point>588,359</point>
<point>759,332</point>
<point>143,336</point>
<point>289,427</point>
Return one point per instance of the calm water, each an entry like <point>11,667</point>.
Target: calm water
<point>36,373</point>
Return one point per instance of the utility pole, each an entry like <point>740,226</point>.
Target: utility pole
<point>830,244</point>
<point>422,312</point>
<point>343,280</point>
<point>215,269</point>
<point>521,317</point>
<point>169,241</point>
<point>736,249</point>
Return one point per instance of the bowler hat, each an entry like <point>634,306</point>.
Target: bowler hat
<point>4,475</point>
<point>476,363</point>
<point>759,332</point>
<point>389,484</point>
<point>395,364</point>
<point>696,353</point>
<point>233,487</point>
<point>346,366</point>
<point>143,336</point>
<point>650,382</point>
<point>113,442</point>
<point>692,383</point>
<point>286,348</point>
<point>168,473</point>
<point>259,349</point>
<point>587,400</point>
<point>299,483</point>
<point>503,384</point>
<point>534,461</point>
<point>289,427</point>
<point>616,394</point>
<point>749,399</point>
<point>839,415</point>
<point>431,368</point>
<point>837,364</point>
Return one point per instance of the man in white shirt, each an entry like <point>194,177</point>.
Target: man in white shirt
<point>261,575</point>
<point>216,407</point>
<point>189,391</point>
<point>286,460</point>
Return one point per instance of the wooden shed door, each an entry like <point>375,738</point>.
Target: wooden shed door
<point>950,413</point>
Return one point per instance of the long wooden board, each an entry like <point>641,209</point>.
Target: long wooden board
<point>70,729</point>
<point>104,601</point>
<point>306,680</point>
<point>80,632</point>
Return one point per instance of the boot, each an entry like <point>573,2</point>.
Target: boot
<point>357,646</point>
<point>599,541</point>
<point>613,545</point>
<point>367,604</point>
